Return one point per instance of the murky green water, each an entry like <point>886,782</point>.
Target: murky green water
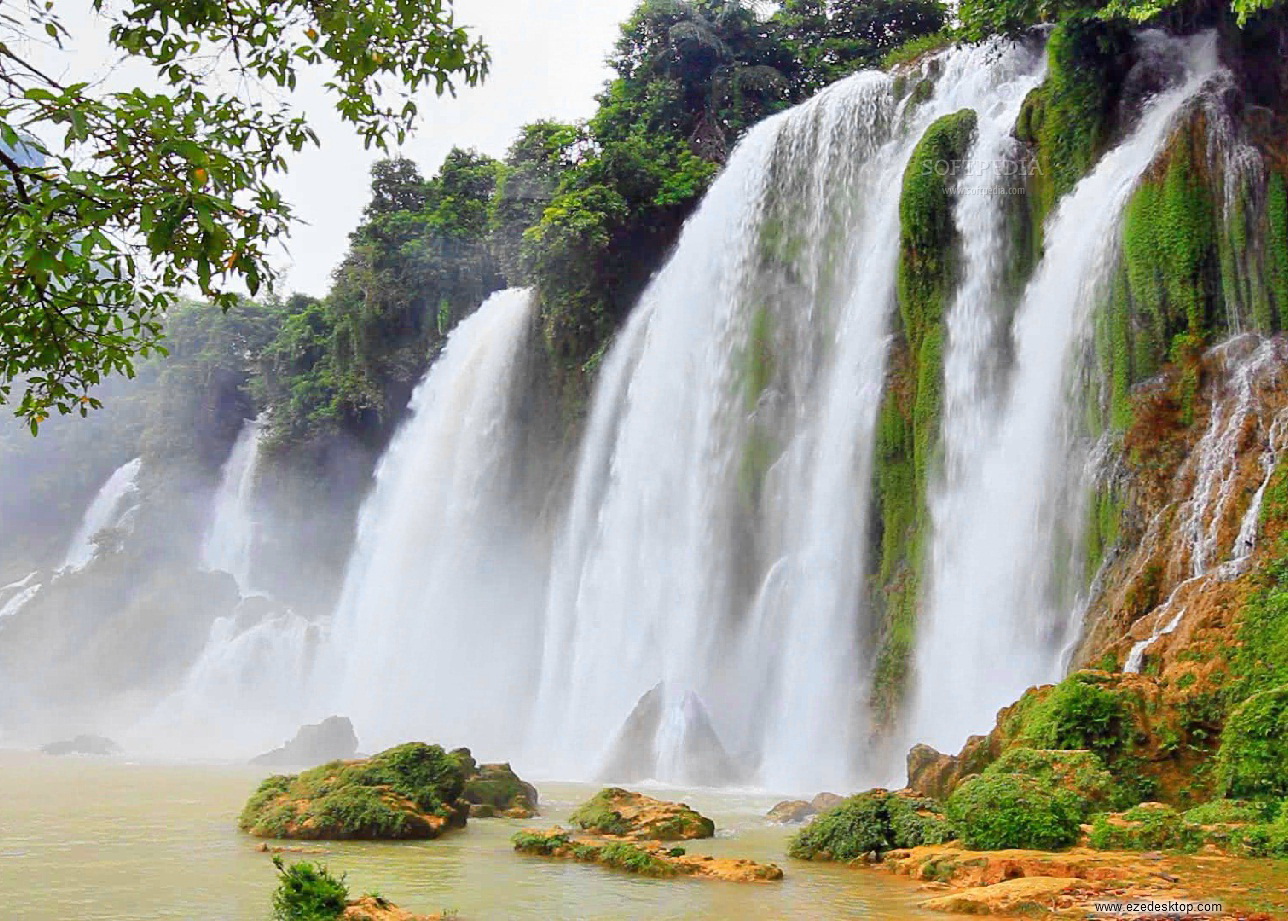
<point>100,840</point>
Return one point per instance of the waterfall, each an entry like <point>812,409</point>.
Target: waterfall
<point>229,544</point>
<point>16,594</point>
<point>715,542</point>
<point>996,619</point>
<point>107,510</point>
<point>436,632</point>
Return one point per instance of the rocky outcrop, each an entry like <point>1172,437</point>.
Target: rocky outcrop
<point>374,908</point>
<point>333,739</point>
<point>495,790</point>
<point>644,858</point>
<point>1012,897</point>
<point>621,813</point>
<point>83,745</point>
<point>412,791</point>
<point>794,811</point>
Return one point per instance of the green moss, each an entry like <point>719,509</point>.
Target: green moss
<point>1082,773</point>
<point>870,823</point>
<point>1105,516</point>
<point>633,859</point>
<point>399,793</point>
<point>1151,827</point>
<point>603,814</point>
<point>915,48</point>
<point>1230,811</point>
<point>1276,249</point>
<point>1077,714</point>
<point>1253,757</point>
<point>545,844</point>
<point>1000,811</point>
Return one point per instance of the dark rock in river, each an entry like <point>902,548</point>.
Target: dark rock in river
<point>495,790</point>
<point>333,739</point>
<point>83,745</point>
<point>790,812</point>
<point>680,738</point>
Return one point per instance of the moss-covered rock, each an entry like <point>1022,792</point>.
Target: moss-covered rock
<point>494,789</point>
<point>871,823</point>
<point>614,811</point>
<point>1253,757</point>
<point>999,811</point>
<point>1082,773</point>
<point>411,791</point>
<point>644,858</point>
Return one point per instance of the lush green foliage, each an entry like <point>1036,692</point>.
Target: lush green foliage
<point>395,794</point>
<point>1253,757</point>
<point>532,842</point>
<point>1230,811</point>
<point>1077,714</point>
<point>999,811</point>
<point>308,892</point>
<point>1082,773</point>
<point>110,201</point>
<point>1148,827</point>
<point>869,823</point>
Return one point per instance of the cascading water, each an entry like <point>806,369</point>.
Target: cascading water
<point>229,544</point>
<point>997,620</point>
<point>107,510</point>
<point>717,534</point>
<point>437,630</point>
<point>16,594</point>
<point>1248,365</point>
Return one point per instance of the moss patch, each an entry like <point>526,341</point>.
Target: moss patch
<point>1001,811</point>
<point>871,823</point>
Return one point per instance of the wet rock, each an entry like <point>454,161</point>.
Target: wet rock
<point>333,739</point>
<point>825,801</point>
<point>644,858</point>
<point>790,812</point>
<point>83,745</point>
<point>374,908</point>
<point>412,791</point>
<point>1014,896</point>
<point>618,812</point>
<point>495,790</point>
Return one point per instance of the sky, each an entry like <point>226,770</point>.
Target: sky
<point>547,62</point>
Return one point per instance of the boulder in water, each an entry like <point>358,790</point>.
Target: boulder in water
<point>678,743</point>
<point>333,739</point>
<point>495,790</point>
<point>790,812</point>
<point>412,791</point>
<point>83,745</point>
<point>621,813</point>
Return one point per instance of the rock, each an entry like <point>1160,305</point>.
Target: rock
<point>374,908</point>
<point>790,812</point>
<point>494,789</point>
<point>621,813</point>
<point>825,801</point>
<point>1014,896</point>
<point>695,755</point>
<point>411,791</point>
<point>645,858</point>
<point>333,739</point>
<point>83,745</point>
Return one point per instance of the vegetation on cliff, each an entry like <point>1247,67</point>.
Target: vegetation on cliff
<point>871,823</point>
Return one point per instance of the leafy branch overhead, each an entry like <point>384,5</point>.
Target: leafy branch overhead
<point>111,202</point>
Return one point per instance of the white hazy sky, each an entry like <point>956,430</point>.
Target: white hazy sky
<point>547,62</point>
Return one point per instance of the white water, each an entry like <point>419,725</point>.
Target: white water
<point>106,510</point>
<point>243,695</point>
<point>996,621</point>
<point>717,535</point>
<point>229,544</point>
<point>16,594</point>
<point>436,632</point>
<point>1248,365</point>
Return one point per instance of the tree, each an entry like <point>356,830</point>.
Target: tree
<point>111,202</point>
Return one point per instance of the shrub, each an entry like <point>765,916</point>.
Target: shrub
<point>532,842</point>
<point>869,823</point>
<point>308,892</point>
<point>998,811</point>
<point>1253,757</point>
<point>1077,714</point>
<point>1230,811</point>
<point>1082,773</point>
<point>1150,827</point>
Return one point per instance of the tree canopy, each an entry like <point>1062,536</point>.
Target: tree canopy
<point>112,202</point>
